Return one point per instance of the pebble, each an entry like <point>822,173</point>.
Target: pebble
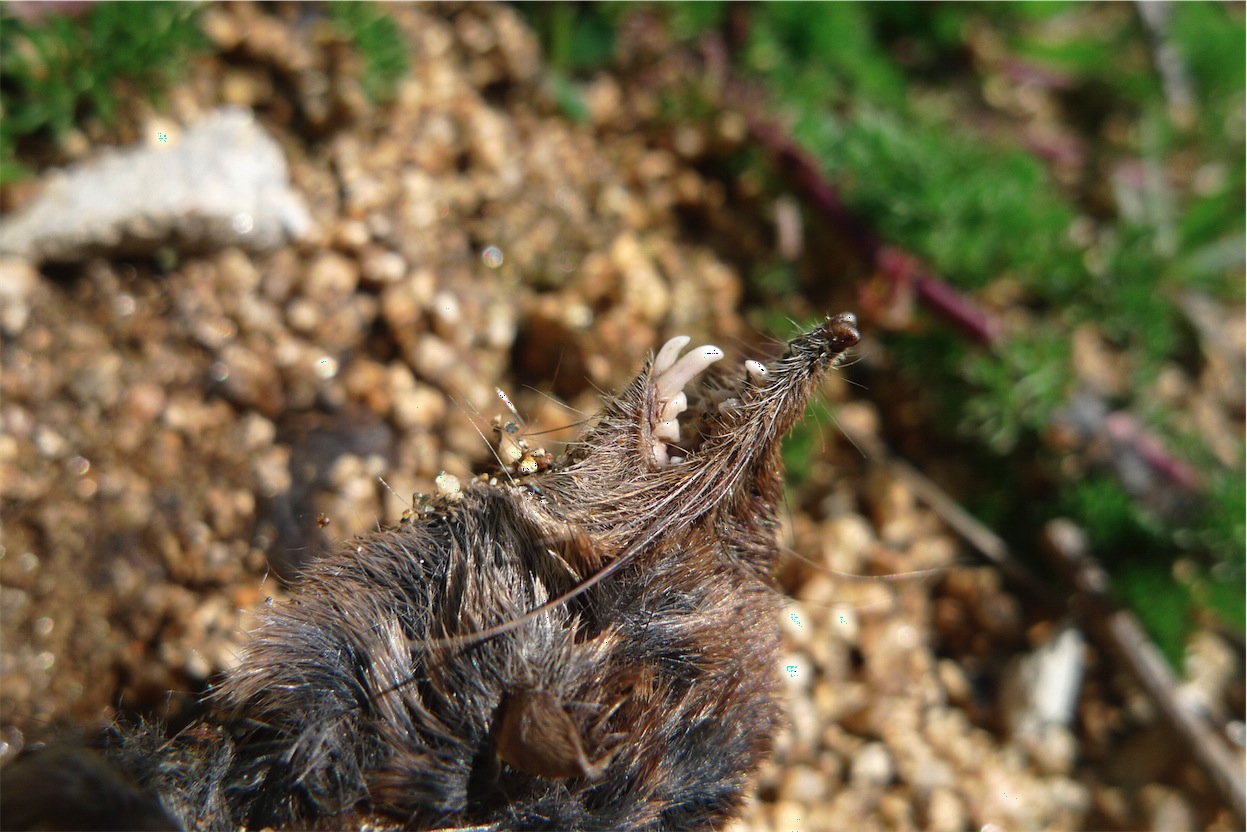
<point>846,543</point>
<point>244,88</point>
<point>434,359</point>
<point>892,507</point>
<point>257,432</point>
<point>785,815</point>
<point>416,405</point>
<point>18,282</point>
<point>956,686</point>
<point>594,272</point>
<point>330,278</point>
<point>351,235</point>
<point>1210,666</point>
<point>303,315</point>
<point>49,443</point>
<point>226,168</point>
<point>253,380</point>
<point>447,316</point>
<point>271,469</point>
<point>1039,694</point>
<point>897,811</point>
<point>644,290</point>
<point>797,624</point>
<point>805,784</point>
<point>945,812</point>
<point>872,766</point>
<point>382,266</point>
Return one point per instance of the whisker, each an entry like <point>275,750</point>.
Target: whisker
<point>563,427</point>
<point>847,435</point>
<point>556,400</point>
<point>507,401</point>
<point>391,490</point>
<point>492,450</point>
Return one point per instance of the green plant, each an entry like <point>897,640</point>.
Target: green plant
<point>801,447</point>
<point>379,41</point>
<point>885,99</point>
<point>1162,604</point>
<point>576,39</point>
<point>57,70</point>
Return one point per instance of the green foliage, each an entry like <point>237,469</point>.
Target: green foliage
<point>884,98</point>
<point>378,39</point>
<point>55,71</point>
<point>1221,530</point>
<point>142,43</point>
<point>1134,547</point>
<point>972,212</point>
<point>576,38</point>
<point>796,452</point>
<point>775,280</point>
<point>568,98</point>
<point>801,446</point>
<point>797,46</point>
<point>977,213</point>
<point>1225,599</point>
<point>1117,528</point>
<point>1161,603</point>
<point>1015,390</point>
<point>1139,550</point>
<point>691,20</point>
<point>1116,60</point>
<point>1210,41</point>
<point>1132,300</point>
<point>1211,244</point>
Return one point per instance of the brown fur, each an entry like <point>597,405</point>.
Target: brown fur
<point>589,647</point>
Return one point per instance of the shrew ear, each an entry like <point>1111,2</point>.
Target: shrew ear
<point>536,735</point>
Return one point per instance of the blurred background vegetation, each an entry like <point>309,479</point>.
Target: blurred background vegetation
<point>1072,174</point>
<point>1078,170</point>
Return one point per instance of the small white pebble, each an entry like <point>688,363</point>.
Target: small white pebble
<point>509,447</point>
<point>448,486</point>
<point>873,766</point>
<point>326,368</point>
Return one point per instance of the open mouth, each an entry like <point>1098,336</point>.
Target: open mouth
<point>687,413</point>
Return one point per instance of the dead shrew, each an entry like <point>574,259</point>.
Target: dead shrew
<point>590,643</point>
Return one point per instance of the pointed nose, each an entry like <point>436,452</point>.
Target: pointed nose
<point>842,331</point>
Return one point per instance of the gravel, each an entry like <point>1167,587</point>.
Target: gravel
<point>171,433</point>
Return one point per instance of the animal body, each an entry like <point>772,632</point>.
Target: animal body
<point>587,643</point>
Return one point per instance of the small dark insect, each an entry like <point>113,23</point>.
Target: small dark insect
<point>322,520</point>
<point>587,643</point>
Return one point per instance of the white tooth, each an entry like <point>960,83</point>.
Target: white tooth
<point>668,427</point>
<point>668,430</point>
<point>757,370</point>
<point>660,453</point>
<point>673,408</point>
<point>672,381</point>
<point>669,353</point>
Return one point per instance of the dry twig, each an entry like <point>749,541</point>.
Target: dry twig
<point>1068,547</point>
